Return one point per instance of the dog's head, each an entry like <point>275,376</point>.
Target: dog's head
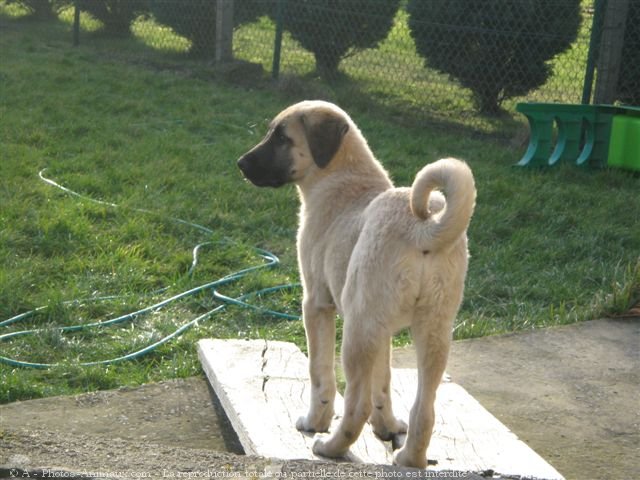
<point>301,139</point>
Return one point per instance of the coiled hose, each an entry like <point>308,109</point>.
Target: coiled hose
<point>270,260</point>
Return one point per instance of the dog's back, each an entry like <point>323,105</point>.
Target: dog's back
<point>403,261</point>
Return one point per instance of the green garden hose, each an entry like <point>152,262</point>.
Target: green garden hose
<point>270,260</point>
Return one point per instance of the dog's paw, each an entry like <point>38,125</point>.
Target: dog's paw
<point>389,432</point>
<point>404,458</point>
<point>304,424</point>
<point>301,425</point>
<point>324,447</point>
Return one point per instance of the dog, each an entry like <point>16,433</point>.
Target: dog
<point>382,258</point>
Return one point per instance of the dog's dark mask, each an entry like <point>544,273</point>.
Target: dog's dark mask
<point>270,163</point>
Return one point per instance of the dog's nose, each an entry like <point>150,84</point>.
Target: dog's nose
<point>243,163</point>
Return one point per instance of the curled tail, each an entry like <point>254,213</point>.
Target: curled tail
<point>444,219</point>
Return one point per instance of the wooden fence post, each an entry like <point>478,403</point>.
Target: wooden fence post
<point>610,51</point>
<point>224,31</point>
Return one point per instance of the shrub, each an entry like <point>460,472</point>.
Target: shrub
<point>41,9</point>
<point>196,19</point>
<point>498,49</point>
<point>116,15</point>
<point>333,29</point>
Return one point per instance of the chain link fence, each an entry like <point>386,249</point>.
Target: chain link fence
<point>457,61</point>
<point>463,62</point>
<point>628,82</point>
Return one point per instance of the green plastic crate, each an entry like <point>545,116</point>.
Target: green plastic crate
<point>624,145</point>
<point>588,135</point>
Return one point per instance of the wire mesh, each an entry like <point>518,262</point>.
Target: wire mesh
<point>460,60</point>
<point>463,62</point>
<point>628,88</point>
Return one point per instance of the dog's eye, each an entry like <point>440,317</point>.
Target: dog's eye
<point>279,136</point>
<point>282,139</point>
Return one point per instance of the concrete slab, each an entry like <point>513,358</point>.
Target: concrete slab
<point>572,393</point>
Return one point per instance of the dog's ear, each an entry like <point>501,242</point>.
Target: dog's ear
<point>324,136</point>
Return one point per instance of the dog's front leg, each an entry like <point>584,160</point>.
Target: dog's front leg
<point>320,327</point>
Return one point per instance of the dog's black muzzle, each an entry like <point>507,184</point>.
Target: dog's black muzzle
<point>260,172</point>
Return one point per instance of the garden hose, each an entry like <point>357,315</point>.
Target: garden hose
<point>270,260</point>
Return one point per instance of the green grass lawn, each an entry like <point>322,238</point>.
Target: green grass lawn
<point>548,247</point>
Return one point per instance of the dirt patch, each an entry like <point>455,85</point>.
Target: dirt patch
<point>106,457</point>
<point>181,413</point>
<point>48,455</point>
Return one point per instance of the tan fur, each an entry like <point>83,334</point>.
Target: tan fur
<point>383,258</point>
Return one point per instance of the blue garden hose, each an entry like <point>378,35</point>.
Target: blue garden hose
<point>270,261</point>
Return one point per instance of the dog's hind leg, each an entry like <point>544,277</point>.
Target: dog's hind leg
<point>358,357</point>
<point>320,327</point>
<point>385,424</point>
<point>432,340</point>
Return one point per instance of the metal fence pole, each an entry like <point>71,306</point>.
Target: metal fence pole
<point>224,31</point>
<point>594,41</point>
<point>610,51</point>
<point>277,48</point>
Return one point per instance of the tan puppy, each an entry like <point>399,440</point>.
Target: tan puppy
<point>383,258</point>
